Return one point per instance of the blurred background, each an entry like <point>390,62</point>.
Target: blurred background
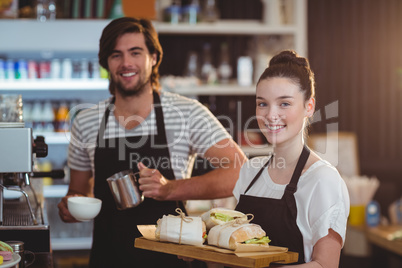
<point>215,50</point>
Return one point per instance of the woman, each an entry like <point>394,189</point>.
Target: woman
<point>299,199</point>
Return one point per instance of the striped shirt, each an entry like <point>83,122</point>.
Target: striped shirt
<point>191,129</point>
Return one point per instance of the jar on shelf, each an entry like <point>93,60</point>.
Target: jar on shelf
<point>62,118</point>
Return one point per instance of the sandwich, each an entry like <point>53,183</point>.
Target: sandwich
<point>231,236</point>
<point>181,229</point>
<point>6,251</point>
<point>218,216</point>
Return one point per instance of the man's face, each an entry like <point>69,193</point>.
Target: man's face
<point>130,65</point>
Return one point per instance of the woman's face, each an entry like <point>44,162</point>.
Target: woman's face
<point>281,110</point>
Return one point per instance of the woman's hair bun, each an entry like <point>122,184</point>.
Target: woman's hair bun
<point>288,57</point>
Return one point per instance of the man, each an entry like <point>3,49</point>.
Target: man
<point>145,130</point>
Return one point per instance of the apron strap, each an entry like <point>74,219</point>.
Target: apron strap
<point>258,175</point>
<point>103,123</point>
<point>160,123</point>
<point>292,186</point>
<point>160,138</point>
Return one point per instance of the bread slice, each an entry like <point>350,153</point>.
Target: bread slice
<point>231,235</point>
<point>210,217</point>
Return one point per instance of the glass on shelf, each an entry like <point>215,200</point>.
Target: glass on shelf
<point>45,10</point>
<point>210,12</point>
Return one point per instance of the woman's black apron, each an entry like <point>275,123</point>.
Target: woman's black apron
<point>115,230</point>
<point>278,216</point>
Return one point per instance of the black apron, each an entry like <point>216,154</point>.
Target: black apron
<point>115,230</point>
<point>278,216</point>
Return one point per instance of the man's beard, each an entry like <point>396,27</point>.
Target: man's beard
<point>136,90</point>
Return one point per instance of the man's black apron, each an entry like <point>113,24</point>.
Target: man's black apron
<point>115,230</point>
<point>278,216</point>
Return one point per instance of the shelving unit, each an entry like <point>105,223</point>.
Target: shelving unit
<point>23,37</point>
<point>81,36</point>
<point>44,37</point>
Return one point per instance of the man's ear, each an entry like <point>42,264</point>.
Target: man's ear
<point>154,59</point>
<point>310,107</point>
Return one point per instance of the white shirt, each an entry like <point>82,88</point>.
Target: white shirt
<point>322,198</point>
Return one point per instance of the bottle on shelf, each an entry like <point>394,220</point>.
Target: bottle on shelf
<point>191,12</point>
<point>36,116</point>
<point>245,71</point>
<point>210,12</point>
<point>224,69</point>
<point>2,70</point>
<point>208,71</point>
<point>67,68</point>
<point>117,10</point>
<point>27,114</point>
<point>10,72</point>
<point>55,69</point>
<point>33,70</point>
<point>48,117</point>
<point>192,64</point>
<point>172,13</point>
<point>45,166</point>
<point>94,69</point>
<point>44,69</point>
<point>62,118</point>
<point>84,69</point>
<point>21,69</point>
<point>76,69</point>
<point>45,10</point>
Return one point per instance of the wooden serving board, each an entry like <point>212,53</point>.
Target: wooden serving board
<point>259,260</point>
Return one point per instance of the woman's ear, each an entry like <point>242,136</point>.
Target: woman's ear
<point>310,107</point>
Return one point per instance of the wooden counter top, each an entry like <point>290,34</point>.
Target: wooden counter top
<point>387,237</point>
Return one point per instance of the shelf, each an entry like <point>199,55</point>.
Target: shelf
<point>224,90</point>
<point>226,27</point>
<point>55,84</point>
<point>44,38</point>
<point>102,84</point>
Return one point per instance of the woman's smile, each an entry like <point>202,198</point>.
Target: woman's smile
<point>275,128</point>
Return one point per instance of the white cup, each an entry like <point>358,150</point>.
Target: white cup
<point>84,208</point>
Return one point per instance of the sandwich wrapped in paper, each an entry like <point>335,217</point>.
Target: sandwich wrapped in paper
<point>238,233</point>
<point>218,216</point>
<point>181,229</point>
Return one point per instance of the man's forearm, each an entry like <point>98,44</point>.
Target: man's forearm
<point>218,183</point>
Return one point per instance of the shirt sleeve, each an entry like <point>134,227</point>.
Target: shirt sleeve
<point>205,130</point>
<point>78,157</point>
<point>329,206</point>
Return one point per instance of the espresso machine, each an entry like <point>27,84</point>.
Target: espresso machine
<point>23,218</point>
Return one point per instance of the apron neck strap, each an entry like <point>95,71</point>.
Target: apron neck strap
<point>258,174</point>
<point>158,114</point>
<point>292,186</point>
